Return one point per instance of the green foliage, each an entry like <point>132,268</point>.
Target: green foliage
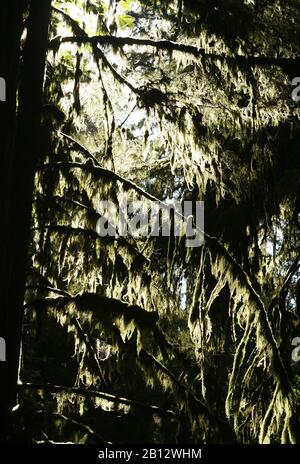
<point>125,21</point>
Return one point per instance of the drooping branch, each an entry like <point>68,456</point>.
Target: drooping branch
<point>48,289</point>
<point>69,20</point>
<point>74,143</point>
<point>115,73</point>
<point>68,230</point>
<point>243,278</point>
<point>102,307</point>
<point>92,234</point>
<point>65,200</point>
<point>103,173</point>
<point>170,46</point>
<point>215,243</point>
<point>98,54</point>
<point>105,396</point>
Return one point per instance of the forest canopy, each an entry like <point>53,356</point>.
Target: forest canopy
<point>133,338</point>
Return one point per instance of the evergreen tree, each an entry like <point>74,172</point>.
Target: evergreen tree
<point>152,102</point>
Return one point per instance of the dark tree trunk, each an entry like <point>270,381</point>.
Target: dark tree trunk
<point>21,153</point>
<point>11,13</point>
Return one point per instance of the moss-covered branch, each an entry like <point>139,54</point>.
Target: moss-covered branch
<point>284,63</point>
<point>91,393</point>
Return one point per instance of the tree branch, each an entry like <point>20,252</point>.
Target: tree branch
<point>106,396</point>
<point>186,49</point>
<point>103,307</point>
<point>66,200</point>
<point>80,147</point>
<point>65,229</point>
<point>98,54</point>
<point>108,174</point>
<point>243,277</point>
<point>48,289</point>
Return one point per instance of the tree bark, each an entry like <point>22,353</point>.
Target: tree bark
<point>19,169</point>
<point>11,13</point>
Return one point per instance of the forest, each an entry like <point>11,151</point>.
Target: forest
<point>150,222</point>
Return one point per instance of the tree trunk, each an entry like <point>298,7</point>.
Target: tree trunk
<point>21,152</point>
<point>11,13</point>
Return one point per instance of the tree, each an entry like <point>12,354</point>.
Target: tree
<point>198,97</point>
<point>20,145</point>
